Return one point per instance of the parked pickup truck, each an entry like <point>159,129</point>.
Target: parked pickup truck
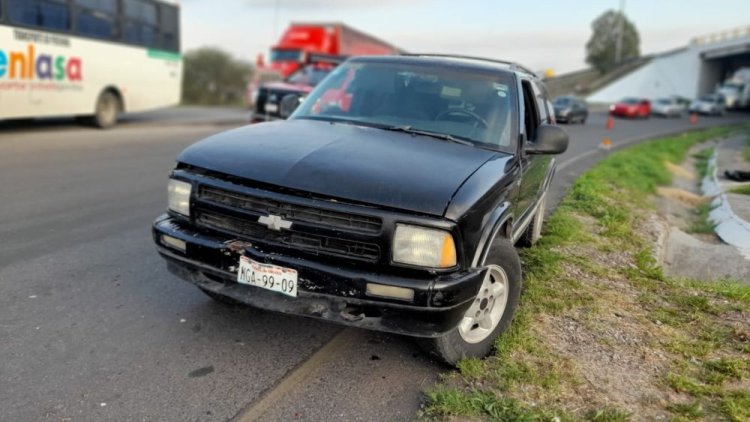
<point>397,210</point>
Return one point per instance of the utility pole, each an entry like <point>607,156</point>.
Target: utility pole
<point>620,31</point>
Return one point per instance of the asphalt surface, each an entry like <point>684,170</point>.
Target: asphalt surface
<point>92,327</point>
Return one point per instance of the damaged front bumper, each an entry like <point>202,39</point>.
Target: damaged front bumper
<point>327,291</point>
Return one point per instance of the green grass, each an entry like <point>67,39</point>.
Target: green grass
<point>701,160</point>
<point>525,378</point>
<point>742,190</point>
<point>701,224</point>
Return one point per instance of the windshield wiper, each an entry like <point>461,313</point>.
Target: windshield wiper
<point>437,135</point>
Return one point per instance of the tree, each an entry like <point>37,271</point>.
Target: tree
<point>212,77</point>
<point>601,47</point>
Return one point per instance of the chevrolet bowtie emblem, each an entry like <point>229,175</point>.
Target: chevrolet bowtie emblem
<point>274,222</point>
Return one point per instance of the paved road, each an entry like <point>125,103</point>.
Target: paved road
<point>92,327</point>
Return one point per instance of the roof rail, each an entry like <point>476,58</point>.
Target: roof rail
<point>512,65</point>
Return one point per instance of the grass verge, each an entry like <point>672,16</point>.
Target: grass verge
<point>742,190</point>
<point>602,334</point>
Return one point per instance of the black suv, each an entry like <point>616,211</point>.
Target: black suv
<point>390,200</point>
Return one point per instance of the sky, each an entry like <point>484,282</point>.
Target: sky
<point>540,34</point>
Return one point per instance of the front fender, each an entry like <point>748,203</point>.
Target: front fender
<point>496,221</point>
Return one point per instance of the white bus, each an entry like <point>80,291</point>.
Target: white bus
<point>88,58</point>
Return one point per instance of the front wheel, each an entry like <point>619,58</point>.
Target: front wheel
<point>107,109</point>
<point>490,312</point>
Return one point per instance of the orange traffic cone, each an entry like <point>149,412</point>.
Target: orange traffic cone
<point>693,118</point>
<point>610,123</point>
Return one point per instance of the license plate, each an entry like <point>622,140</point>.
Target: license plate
<point>272,108</point>
<point>267,276</point>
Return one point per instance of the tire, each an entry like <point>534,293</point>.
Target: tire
<point>224,300</point>
<point>533,232</point>
<point>497,299</point>
<point>107,108</point>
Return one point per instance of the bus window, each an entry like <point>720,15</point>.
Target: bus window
<point>140,10</point>
<point>96,18</point>
<point>108,6</point>
<point>170,39</point>
<point>140,23</point>
<point>47,14</point>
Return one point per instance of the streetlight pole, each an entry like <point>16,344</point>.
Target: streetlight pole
<point>620,31</point>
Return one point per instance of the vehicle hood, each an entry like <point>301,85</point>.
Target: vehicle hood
<point>343,161</point>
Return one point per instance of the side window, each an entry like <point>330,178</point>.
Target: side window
<point>170,28</point>
<point>96,18</point>
<point>530,114</point>
<point>140,23</point>
<point>541,100</point>
<point>45,14</point>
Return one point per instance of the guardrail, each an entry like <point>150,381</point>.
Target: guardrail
<point>721,36</point>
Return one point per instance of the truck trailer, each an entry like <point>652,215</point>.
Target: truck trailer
<point>334,39</point>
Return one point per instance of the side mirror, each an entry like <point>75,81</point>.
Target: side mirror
<point>549,140</point>
<point>288,104</point>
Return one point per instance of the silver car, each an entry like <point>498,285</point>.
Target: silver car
<point>668,107</point>
<point>711,104</point>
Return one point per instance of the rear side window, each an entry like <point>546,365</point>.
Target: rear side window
<point>45,14</point>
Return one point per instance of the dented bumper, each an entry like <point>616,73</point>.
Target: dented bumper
<point>328,291</point>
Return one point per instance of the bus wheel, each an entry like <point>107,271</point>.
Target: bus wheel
<point>107,109</point>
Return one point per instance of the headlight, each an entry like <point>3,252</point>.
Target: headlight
<point>612,107</point>
<point>423,247</point>
<point>178,196</point>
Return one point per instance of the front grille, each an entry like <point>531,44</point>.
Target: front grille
<point>306,242</point>
<point>292,212</point>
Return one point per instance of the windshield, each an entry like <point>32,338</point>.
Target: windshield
<point>664,101</point>
<point>708,98</point>
<point>286,55</point>
<point>630,101</point>
<point>309,75</point>
<point>732,86</point>
<point>472,105</point>
<point>562,101</point>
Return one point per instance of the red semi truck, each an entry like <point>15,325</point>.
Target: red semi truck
<point>335,39</point>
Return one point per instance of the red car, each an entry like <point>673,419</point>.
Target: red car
<point>631,108</point>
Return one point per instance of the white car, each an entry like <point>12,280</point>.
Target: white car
<point>667,107</point>
<point>711,104</point>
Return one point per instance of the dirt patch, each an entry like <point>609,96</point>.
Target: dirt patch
<point>687,198</point>
<point>681,171</point>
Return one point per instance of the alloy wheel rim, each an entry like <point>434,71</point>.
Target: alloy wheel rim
<point>484,314</point>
